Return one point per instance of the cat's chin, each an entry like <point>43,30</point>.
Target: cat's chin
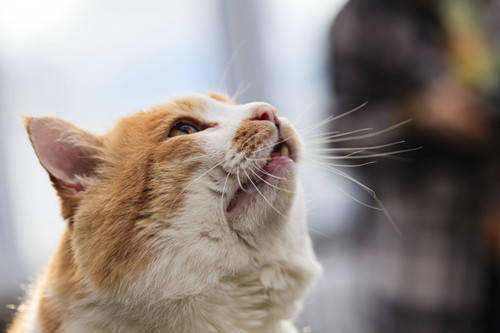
<point>276,177</point>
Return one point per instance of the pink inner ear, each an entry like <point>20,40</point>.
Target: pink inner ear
<point>58,146</point>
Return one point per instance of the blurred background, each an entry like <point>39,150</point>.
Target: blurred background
<point>435,62</point>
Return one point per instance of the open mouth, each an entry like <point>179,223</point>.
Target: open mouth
<point>280,158</point>
<point>281,149</point>
<point>281,155</point>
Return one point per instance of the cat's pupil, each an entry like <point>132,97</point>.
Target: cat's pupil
<point>182,128</point>
<point>186,129</point>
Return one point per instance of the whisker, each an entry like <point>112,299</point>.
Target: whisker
<point>271,144</point>
<point>389,157</point>
<point>289,138</point>
<point>369,135</point>
<point>240,91</point>
<point>351,157</point>
<point>369,191</point>
<point>351,165</point>
<point>194,180</point>
<point>262,195</point>
<point>274,186</point>
<point>320,233</point>
<point>353,153</point>
<point>312,136</point>
<point>239,181</point>
<point>336,134</point>
<point>330,119</point>
<point>222,196</point>
<point>358,148</point>
<point>350,196</point>
<point>352,132</point>
<point>229,64</point>
<point>267,173</point>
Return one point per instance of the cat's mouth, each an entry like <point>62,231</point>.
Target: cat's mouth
<point>281,149</point>
<point>281,153</point>
<point>274,172</point>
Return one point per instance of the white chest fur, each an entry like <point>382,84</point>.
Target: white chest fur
<point>247,304</point>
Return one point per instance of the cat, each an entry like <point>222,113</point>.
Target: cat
<point>188,217</point>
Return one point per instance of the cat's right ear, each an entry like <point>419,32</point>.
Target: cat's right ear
<point>70,155</point>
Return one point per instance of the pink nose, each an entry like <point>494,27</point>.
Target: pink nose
<point>266,112</point>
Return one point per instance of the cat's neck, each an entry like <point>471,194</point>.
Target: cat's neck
<point>259,300</point>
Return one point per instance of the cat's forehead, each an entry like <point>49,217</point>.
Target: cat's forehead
<point>203,108</point>
<point>202,105</point>
<point>211,107</point>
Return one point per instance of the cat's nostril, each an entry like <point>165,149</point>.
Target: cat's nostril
<point>266,112</point>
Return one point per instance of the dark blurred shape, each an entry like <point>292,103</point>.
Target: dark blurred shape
<point>438,63</point>
<point>11,270</point>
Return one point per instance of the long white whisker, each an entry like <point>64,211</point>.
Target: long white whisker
<point>239,181</point>
<point>318,232</point>
<point>351,165</point>
<point>357,148</point>
<point>230,63</point>
<point>195,180</point>
<point>320,135</point>
<point>369,191</point>
<point>369,135</point>
<point>350,196</point>
<point>350,154</point>
<point>351,157</point>
<point>335,165</point>
<point>267,173</point>
<point>240,91</point>
<point>274,186</point>
<point>330,119</point>
<point>222,196</point>
<point>336,134</point>
<point>262,195</point>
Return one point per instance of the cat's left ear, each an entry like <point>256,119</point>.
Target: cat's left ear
<point>69,154</point>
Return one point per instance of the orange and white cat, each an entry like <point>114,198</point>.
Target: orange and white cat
<point>184,218</point>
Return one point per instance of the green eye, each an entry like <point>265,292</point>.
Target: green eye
<point>182,128</point>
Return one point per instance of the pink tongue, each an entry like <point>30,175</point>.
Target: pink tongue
<point>277,163</point>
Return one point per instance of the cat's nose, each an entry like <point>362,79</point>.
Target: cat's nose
<point>265,112</point>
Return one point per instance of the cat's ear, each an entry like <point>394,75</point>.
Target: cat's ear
<point>69,154</point>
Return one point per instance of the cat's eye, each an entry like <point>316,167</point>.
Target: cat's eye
<point>182,128</point>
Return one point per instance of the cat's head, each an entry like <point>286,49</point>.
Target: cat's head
<point>180,195</point>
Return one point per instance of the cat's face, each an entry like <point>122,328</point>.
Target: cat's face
<point>178,196</point>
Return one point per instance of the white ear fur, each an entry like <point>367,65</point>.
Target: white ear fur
<point>68,153</point>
